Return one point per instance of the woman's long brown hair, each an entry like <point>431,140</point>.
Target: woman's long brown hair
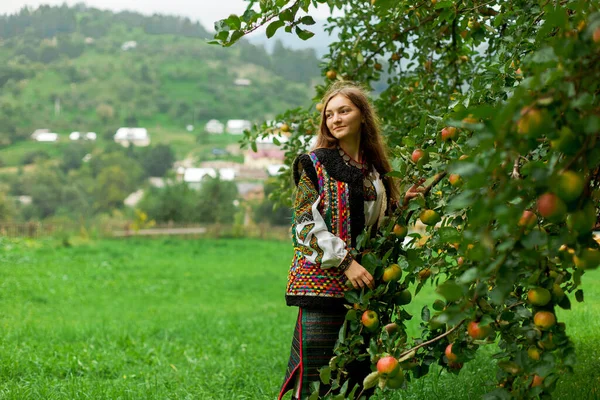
<point>371,141</point>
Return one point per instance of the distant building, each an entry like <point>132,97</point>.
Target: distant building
<point>134,198</point>
<point>134,136</point>
<point>47,137</point>
<point>74,136</point>
<point>132,44</point>
<point>263,158</point>
<point>78,136</point>
<point>238,126</point>
<point>267,153</point>
<point>91,136</point>
<point>214,126</point>
<point>242,82</point>
<point>37,132</point>
<point>194,176</point>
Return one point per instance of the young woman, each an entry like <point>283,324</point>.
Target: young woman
<point>341,189</point>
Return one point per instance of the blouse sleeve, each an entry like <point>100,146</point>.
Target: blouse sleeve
<point>312,236</point>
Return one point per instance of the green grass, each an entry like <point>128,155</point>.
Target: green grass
<point>187,319</point>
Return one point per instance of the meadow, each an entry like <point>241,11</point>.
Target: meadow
<point>190,319</point>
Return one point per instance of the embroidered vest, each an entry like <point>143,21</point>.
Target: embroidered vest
<point>341,203</point>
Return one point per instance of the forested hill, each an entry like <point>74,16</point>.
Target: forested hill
<point>79,68</point>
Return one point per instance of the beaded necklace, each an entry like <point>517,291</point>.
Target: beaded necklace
<point>368,186</point>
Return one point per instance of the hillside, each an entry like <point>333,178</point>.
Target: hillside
<point>78,69</point>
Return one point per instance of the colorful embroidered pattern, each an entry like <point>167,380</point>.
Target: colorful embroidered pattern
<point>307,278</point>
<point>304,232</point>
<point>369,190</point>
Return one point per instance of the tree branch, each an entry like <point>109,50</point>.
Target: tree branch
<point>435,339</point>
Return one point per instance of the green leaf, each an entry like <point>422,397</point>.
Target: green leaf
<point>325,375</point>
<point>450,290</point>
<point>449,234</point>
<point>234,22</point>
<point>351,296</point>
<point>287,15</point>
<point>307,20</point>
<point>565,303</point>
<point>370,262</point>
<point>544,55</point>
<point>468,276</point>
<point>466,169</point>
<point>304,34</point>
<point>443,4</point>
<point>272,28</point>
<point>235,36</point>
<point>579,296</point>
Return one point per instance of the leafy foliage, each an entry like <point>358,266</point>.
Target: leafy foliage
<point>519,82</point>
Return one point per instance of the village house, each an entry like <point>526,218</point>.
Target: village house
<point>194,176</point>
<point>267,152</point>
<point>130,45</point>
<point>46,137</point>
<point>134,136</point>
<point>238,126</point>
<point>242,82</point>
<point>214,127</point>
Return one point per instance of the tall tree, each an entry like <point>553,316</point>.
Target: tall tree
<point>495,105</point>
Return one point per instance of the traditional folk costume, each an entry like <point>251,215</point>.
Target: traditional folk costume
<point>336,198</point>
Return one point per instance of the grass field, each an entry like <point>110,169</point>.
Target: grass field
<point>188,319</point>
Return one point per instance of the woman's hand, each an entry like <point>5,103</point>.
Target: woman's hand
<point>359,276</point>
<point>414,191</point>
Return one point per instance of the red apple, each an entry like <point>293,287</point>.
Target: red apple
<point>370,320</point>
<point>528,219</point>
<point>419,154</point>
<point>537,381</point>
<point>544,319</point>
<point>596,35</point>
<point>388,366</point>
<point>400,231</point>
<point>450,355</point>
<point>449,133</point>
<point>550,206</point>
<point>477,331</point>
<point>455,180</point>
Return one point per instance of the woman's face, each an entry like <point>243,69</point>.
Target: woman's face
<point>343,119</point>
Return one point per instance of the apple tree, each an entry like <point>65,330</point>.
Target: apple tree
<point>493,105</point>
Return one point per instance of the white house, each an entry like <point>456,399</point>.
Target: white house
<point>91,136</point>
<point>214,126</point>
<point>47,137</point>
<point>75,136</point>
<point>35,133</point>
<point>238,126</point>
<point>242,82</point>
<point>132,44</point>
<point>135,136</point>
<point>268,142</point>
<point>194,176</point>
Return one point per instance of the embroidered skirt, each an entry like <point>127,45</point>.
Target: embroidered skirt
<point>314,339</point>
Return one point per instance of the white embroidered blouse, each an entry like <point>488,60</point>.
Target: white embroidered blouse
<point>335,251</point>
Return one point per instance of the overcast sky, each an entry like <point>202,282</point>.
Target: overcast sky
<point>206,11</point>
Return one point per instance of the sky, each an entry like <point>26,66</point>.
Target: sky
<point>205,11</point>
